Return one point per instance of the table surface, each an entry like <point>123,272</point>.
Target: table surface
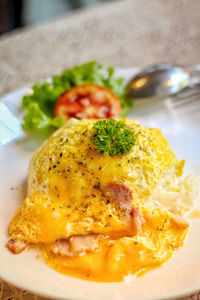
<point>121,33</point>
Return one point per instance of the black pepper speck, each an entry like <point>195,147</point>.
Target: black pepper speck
<point>96,187</point>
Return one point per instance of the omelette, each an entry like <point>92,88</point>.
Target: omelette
<point>92,214</point>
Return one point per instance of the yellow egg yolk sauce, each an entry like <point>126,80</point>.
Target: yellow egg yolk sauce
<point>115,259</point>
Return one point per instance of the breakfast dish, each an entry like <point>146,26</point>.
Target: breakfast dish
<point>88,206</point>
<point>178,195</point>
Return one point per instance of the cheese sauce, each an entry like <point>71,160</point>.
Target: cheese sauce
<point>115,259</point>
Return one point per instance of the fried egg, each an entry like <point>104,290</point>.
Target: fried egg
<point>93,215</point>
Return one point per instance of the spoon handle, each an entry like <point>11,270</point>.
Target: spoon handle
<point>191,90</point>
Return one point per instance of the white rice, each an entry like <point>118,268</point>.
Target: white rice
<point>179,195</point>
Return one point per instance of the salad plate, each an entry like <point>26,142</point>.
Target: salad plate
<point>179,277</point>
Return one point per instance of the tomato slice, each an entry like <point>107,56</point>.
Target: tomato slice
<point>89,101</point>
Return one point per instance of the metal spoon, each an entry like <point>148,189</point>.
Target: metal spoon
<point>160,81</point>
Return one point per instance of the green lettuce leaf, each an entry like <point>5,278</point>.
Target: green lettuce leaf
<point>39,106</point>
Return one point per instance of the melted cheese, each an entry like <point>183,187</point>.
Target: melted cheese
<point>116,259</point>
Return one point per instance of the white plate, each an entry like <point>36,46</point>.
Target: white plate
<point>181,274</point>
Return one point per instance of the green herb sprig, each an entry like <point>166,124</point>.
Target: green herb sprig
<point>112,137</point>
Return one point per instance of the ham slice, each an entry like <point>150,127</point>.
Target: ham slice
<point>122,195</point>
<point>62,247</point>
<point>16,246</point>
<point>137,219</point>
<point>83,243</point>
<point>76,245</point>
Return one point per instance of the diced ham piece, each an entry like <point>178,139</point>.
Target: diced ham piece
<point>83,243</point>
<point>179,222</point>
<point>137,219</point>
<point>76,245</point>
<point>62,247</point>
<point>122,195</point>
<point>16,246</point>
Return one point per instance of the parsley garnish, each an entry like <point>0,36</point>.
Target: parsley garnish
<point>112,137</point>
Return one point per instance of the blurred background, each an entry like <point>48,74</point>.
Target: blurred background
<point>20,13</point>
